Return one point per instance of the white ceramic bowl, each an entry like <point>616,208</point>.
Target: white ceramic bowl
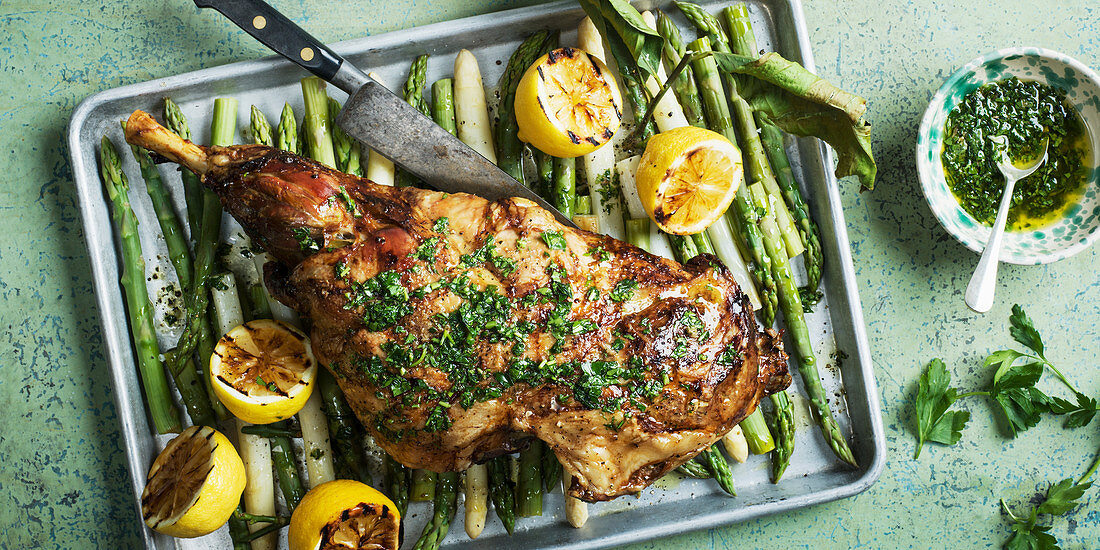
<point>1080,225</point>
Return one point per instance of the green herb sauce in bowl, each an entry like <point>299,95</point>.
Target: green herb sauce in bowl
<point>1056,214</point>
<point>1026,113</point>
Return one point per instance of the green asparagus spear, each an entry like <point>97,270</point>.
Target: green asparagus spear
<point>423,486</point>
<point>684,84</point>
<point>286,467</point>
<point>506,132</point>
<point>502,491</point>
<point>277,429</point>
<point>772,138</point>
<point>529,481</point>
<point>413,92</point>
<point>564,192</point>
<point>683,247</point>
<point>163,413</point>
<point>551,468</point>
<point>743,215</point>
<point>185,375</point>
<point>170,227</point>
<point>238,529</point>
<point>258,306</point>
<point>444,504</point>
<point>757,434</point>
<point>784,434</point>
<point>192,187</point>
<point>767,154</point>
<point>344,429</point>
<point>317,124</point>
<point>287,138</point>
<point>693,468</point>
<point>197,333</point>
<point>791,304</point>
<point>397,483</point>
<point>341,142</point>
<point>544,165</point>
<point>637,232</point>
<point>719,468</point>
<point>742,41</point>
<point>260,128</point>
<point>443,105</point>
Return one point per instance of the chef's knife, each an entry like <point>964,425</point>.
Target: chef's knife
<point>378,118</point>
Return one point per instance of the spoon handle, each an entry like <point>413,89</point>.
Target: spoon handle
<point>983,284</point>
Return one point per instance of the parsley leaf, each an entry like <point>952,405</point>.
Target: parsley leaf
<point>1014,390</point>
<point>353,209</point>
<point>935,396</point>
<point>1027,533</point>
<point>1024,332</point>
<point>554,240</point>
<point>623,290</point>
<point>1079,414</point>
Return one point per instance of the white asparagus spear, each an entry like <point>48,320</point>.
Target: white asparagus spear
<point>471,111</point>
<point>259,489</point>
<point>472,121</point>
<point>627,168</point>
<point>599,165</point>
<point>667,114</point>
<point>380,169</point>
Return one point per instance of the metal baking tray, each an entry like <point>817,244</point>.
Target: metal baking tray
<point>673,505</point>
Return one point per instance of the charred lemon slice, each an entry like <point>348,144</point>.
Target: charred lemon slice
<point>687,178</point>
<point>194,484</point>
<point>263,371</point>
<point>344,515</point>
<point>567,104</point>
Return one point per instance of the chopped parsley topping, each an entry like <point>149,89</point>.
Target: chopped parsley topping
<point>442,225</point>
<point>554,240</point>
<point>349,202</point>
<point>306,242</point>
<point>383,298</point>
<point>623,290</point>
<point>453,342</point>
<point>342,270</point>
<point>599,253</point>
<point>426,250</point>
<point>608,188</point>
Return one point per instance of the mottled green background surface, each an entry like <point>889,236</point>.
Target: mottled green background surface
<point>62,477</point>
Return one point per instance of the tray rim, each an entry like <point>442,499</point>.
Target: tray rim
<point>117,354</point>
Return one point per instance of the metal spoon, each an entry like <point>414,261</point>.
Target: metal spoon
<point>979,293</point>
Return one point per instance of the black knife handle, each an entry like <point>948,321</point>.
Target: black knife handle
<point>275,31</point>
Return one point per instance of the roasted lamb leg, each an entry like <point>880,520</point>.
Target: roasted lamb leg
<point>460,328</point>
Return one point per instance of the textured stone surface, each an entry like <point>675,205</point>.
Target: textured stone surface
<point>62,477</point>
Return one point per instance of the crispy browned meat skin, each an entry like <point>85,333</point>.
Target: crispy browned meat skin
<point>280,198</point>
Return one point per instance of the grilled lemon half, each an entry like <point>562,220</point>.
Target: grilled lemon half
<point>194,484</point>
<point>263,371</point>
<point>568,104</point>
<point>687,178</point>
<point>345,515</point>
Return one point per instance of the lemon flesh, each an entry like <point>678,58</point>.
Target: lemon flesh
<point>344,515</point>
<point>567,104</point>
<point>194,484</point>
<point>263,371</point>
<point>687,178</point>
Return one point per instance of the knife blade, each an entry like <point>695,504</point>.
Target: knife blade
<point>378,118</point>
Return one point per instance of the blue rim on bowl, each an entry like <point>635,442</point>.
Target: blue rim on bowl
<point>1079,227</point>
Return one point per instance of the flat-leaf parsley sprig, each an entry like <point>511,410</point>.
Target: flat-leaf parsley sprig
<point>1028,533</point>
<point>1013,391</point>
